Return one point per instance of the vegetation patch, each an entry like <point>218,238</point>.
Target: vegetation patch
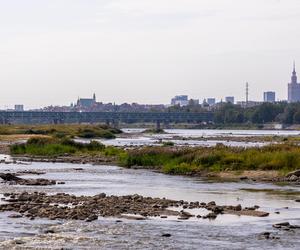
<point>40,146</point>
<point>62,130</point>
<point>282,157</point>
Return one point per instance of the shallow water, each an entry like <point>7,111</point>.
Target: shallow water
<point>226,232</point>
<point>195,137</point>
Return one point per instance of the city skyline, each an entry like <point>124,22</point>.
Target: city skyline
<point>51,52</point>
<point>199,100</point>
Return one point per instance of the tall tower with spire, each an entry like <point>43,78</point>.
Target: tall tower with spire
<point>294,74</point>
<point>294,87</point>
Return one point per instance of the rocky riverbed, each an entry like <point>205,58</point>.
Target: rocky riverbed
<point>65,206</point>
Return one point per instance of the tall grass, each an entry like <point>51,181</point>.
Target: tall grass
<point>284,158</point>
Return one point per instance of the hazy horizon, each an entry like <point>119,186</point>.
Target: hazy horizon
<point>53,51</point>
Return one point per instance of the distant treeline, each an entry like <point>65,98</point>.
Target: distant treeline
<point>282,112</point>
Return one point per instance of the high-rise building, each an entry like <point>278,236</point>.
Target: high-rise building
<point>269,96</point>
<point>229,99</point>
<point>211,101</point>
<point>181,100</point>
<point>294,88</point>
<point>19,107</point>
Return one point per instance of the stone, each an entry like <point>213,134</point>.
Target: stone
<point>293,178</point>
<point>210,216</point>
<point>15,216</point>
<point>296,173</point>
<point>166,235</point>
<point>92,218</point>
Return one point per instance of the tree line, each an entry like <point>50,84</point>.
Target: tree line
<point>227,113</point>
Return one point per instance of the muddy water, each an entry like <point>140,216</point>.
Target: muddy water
<point>226,232</point>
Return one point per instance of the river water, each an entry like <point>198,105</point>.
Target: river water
<point>226,232</point>
<point>195,137</point>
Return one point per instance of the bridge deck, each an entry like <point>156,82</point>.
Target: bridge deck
<point>32,117</point>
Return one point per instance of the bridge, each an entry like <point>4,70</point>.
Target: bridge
<point>40,117</point>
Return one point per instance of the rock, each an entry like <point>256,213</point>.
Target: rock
<point>212,203</point>
<point>14,216</point>
<point>186,214</point>
<point>266,235</point>
<point>183,218</point>
<point>293,178</point>
<point>49,231</point>
<point>296,173</point>
<point>19,242</point>
<point>282,224</point>
<point>210,216</point>
<point>247,213</point>
<point>9,177</point>
<point>166,235</point>
<point>297,200</point>
<point>13,179</point>
<point>92,218</point>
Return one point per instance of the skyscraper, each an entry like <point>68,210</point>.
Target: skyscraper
<point>294,88</point>
<point>229,99</point>
<point>269,96</point>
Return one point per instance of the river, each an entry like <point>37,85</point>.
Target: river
<point>195,137</point>
<point>226,232</point>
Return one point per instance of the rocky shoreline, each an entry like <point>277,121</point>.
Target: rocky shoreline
<point>89,208</point>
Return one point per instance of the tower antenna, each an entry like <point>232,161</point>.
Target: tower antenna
<point>247,93</point>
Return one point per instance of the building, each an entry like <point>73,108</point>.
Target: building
<point>211,101</point>
<point>248,104</point>
<point>86,102</point>
<point>194,102</point>
<point>229,99</point>
<point>294,88</point>
<point>19,107</point>
<point>269,96</point>
<point>181,100</point>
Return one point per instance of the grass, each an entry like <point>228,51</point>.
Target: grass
<point>41,146</point>
<point>172,160</point>
<point>62,130</point>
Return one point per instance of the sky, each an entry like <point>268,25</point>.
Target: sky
<point>145,51</point>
